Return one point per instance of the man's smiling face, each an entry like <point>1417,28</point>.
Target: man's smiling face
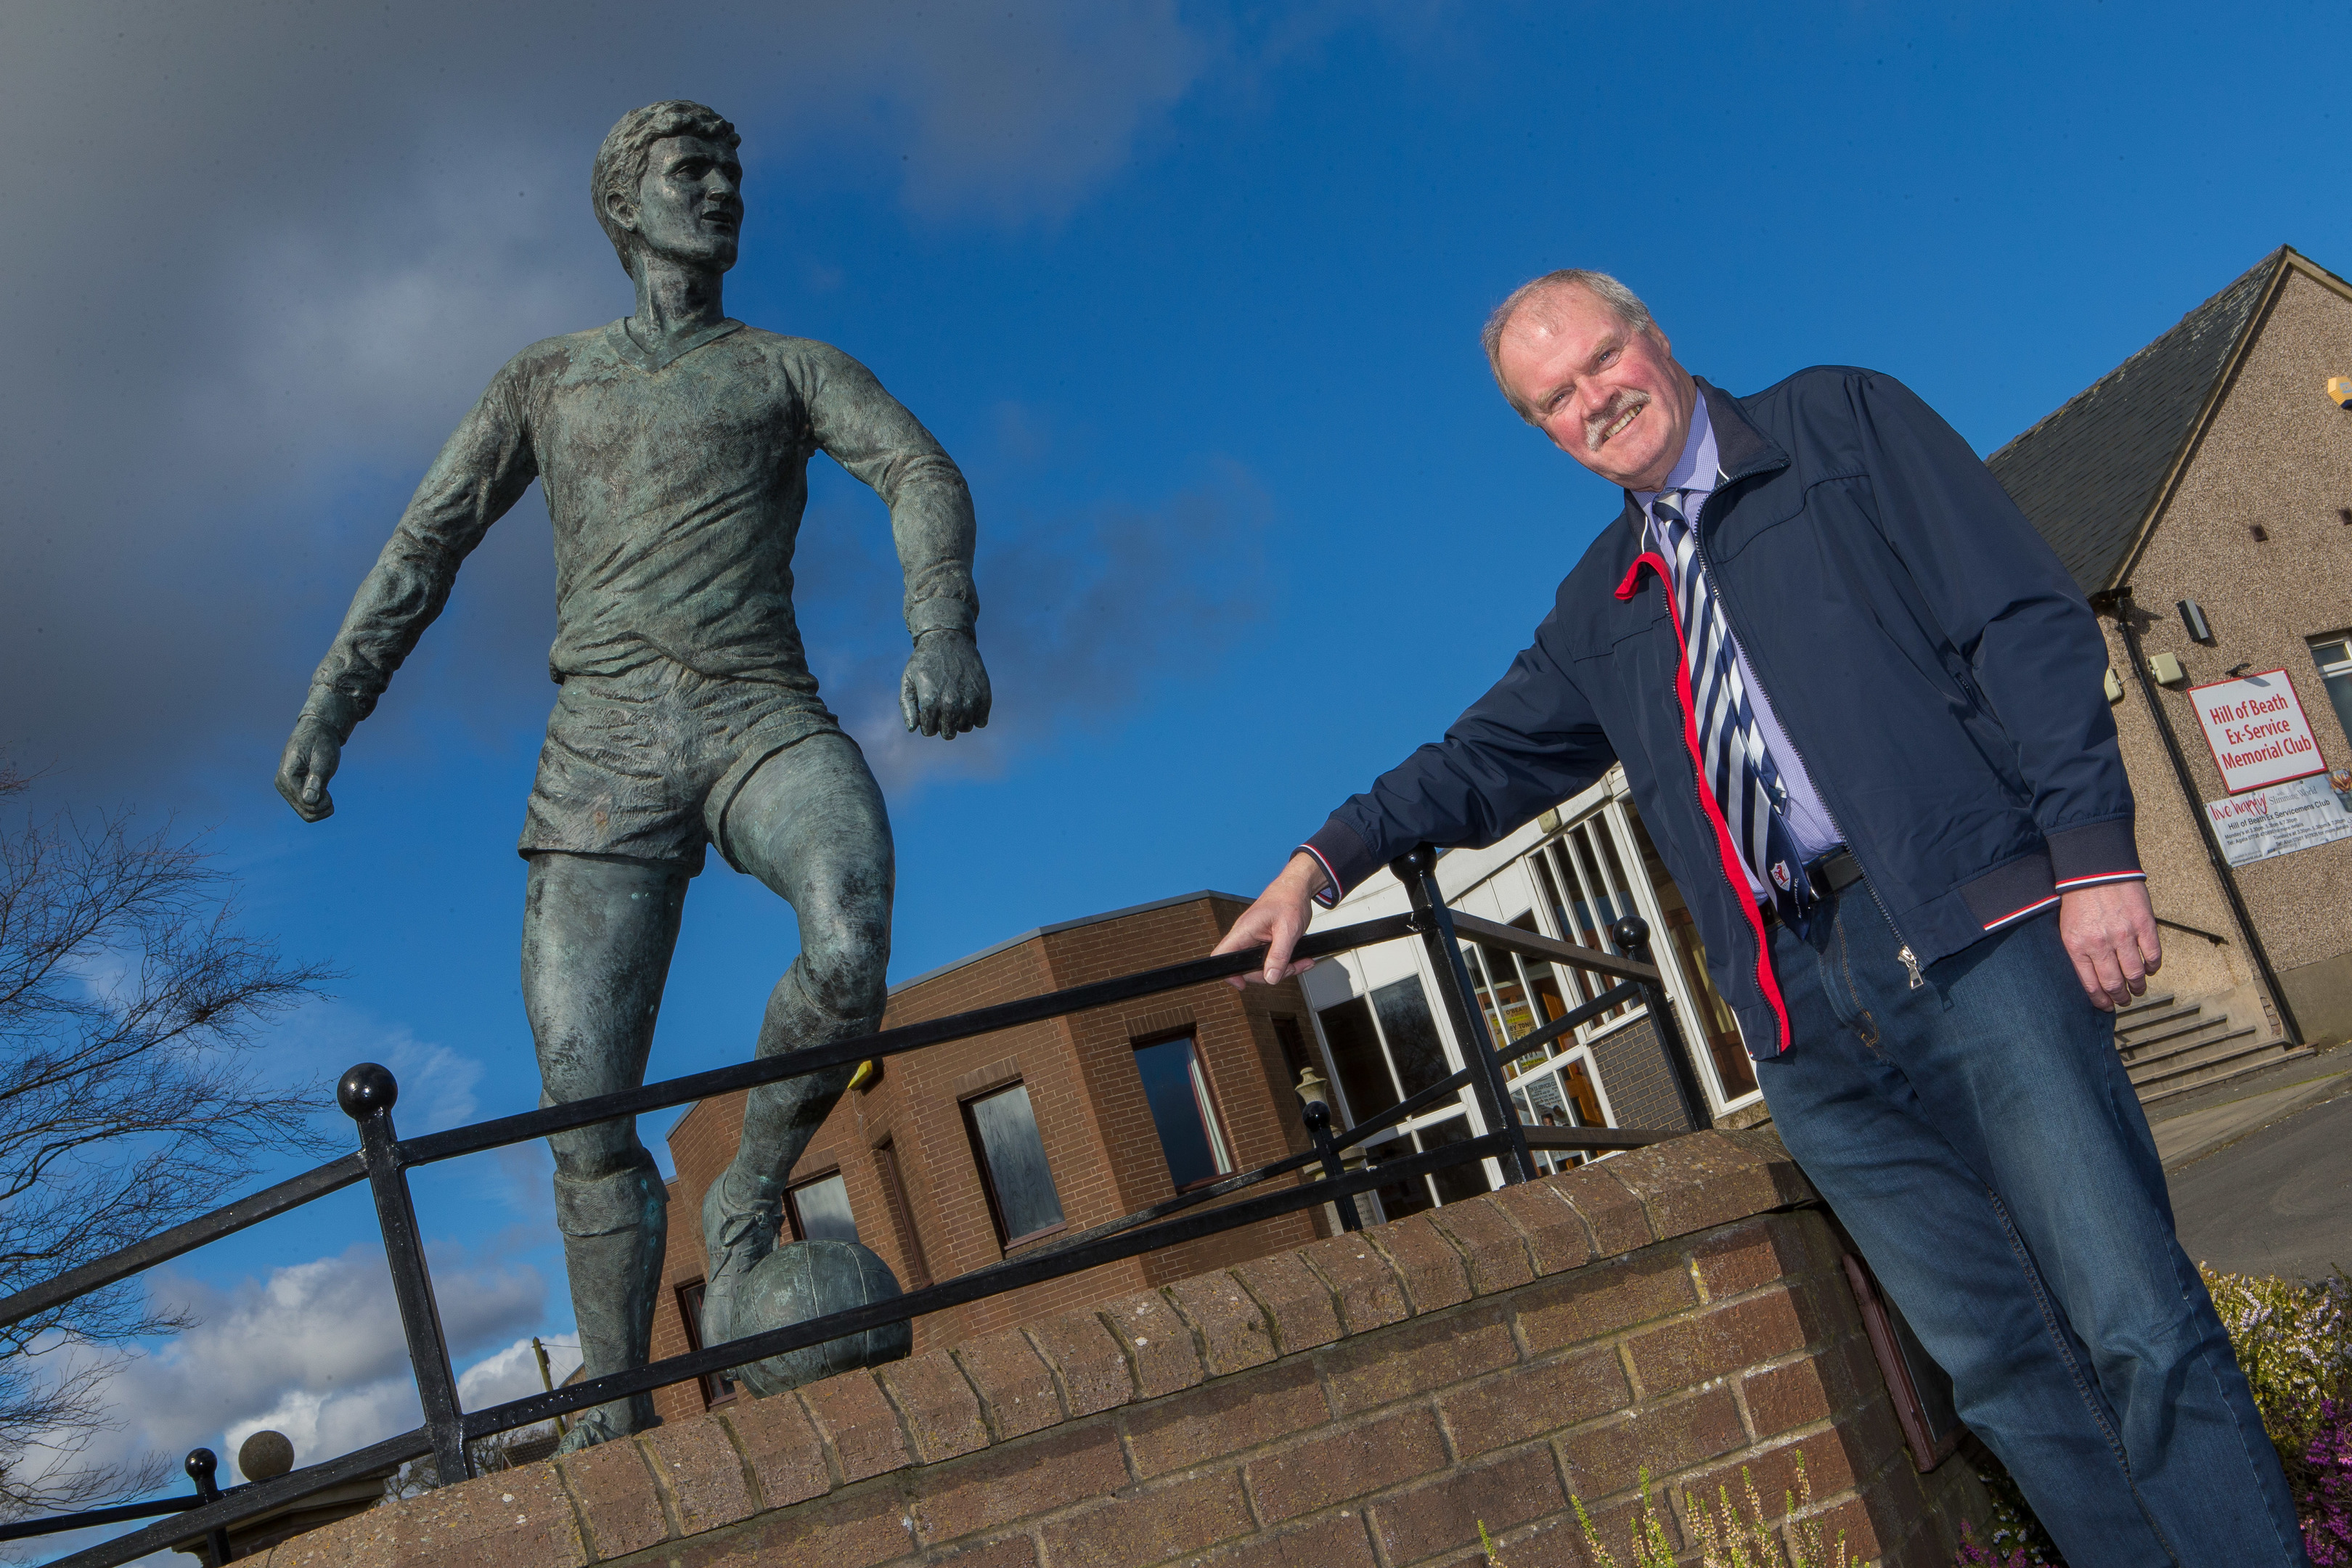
<point>1609,397</point>
<point>690,204</point>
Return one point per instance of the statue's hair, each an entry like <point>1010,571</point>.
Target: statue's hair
<point>622,161</point>
<point>1623,303</point>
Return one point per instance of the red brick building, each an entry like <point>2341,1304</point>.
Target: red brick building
<point>934,1160</point>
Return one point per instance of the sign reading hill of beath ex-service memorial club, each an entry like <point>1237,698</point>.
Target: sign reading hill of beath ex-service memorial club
<point>2283,794</point>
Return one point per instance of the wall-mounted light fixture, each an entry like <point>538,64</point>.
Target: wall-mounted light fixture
<point>2167,669</point>
<point>2339,391</point>
<point>2192,615</point>
<point>2114,685</point>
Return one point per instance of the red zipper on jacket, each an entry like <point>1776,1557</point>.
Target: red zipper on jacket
<point>1734,870</point>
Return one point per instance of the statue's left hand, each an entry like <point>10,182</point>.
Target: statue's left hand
<point>945,691</point>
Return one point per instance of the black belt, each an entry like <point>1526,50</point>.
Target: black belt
<point>1832,873</point>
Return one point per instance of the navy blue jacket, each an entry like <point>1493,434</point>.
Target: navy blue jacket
<point>1934,667</point>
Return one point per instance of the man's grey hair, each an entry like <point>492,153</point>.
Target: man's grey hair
<point>1623,302</point>
<point>622,161</point>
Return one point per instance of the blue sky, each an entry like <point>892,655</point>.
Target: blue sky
<point>1191,292</point>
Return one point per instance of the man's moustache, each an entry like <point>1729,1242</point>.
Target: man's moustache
<point>1598,427</point>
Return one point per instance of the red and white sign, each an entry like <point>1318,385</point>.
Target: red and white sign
<point>2256,728</point>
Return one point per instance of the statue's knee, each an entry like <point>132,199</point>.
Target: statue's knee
<point>847,979</point>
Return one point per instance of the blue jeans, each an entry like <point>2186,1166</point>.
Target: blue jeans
<point>1978,1139</point>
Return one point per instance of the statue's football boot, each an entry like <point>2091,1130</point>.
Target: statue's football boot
<point>738,1233</point>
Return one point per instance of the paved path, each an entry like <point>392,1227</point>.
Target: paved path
<point>2278,1201</point>
<point>2197,1133</point>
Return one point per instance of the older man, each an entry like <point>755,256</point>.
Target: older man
<point>1858,702</point>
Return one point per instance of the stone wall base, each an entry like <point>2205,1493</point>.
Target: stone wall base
<point>1366,1402</point>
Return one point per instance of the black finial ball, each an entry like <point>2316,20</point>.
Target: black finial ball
<point>1630,935</point>
<point>366,1090</point>
<point>201,1463</point>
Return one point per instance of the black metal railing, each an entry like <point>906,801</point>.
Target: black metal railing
<point>368,1093</point>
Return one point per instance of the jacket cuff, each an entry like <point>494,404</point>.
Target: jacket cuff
<point>1345,860</point>
<point>2097,852</point>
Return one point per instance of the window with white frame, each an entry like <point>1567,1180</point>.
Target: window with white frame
<point>1711,1018</point>
<point>1552,1084</point>
<point>1384,1044</point>
<point>1586,875</point>
<point>2332,653</point>
<point>1386,1047</point>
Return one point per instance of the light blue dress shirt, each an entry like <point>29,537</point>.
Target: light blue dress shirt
<point>1697,473</point>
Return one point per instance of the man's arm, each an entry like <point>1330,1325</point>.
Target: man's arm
<point>2033,646</point>
<point>1530,743</point>
<point>945,690</point>
<point>483,469</point>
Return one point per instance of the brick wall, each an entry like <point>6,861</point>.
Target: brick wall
<point>1640,1078</point>
<point>1098,1135</point>
<point>1364,1400</point>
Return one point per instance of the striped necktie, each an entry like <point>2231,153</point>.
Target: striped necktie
<point>1736,762</point>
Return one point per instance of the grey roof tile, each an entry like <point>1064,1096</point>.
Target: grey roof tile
<point>2087,473</point>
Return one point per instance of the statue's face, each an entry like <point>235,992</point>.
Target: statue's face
<point>690,206</point>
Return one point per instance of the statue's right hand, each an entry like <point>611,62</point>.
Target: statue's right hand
<point>311,755</point>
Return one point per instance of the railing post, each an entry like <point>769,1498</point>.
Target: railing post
<point>202,1464</point>
<point>1317,1116</point>
<point>367,1094</point>
<point>1632,936</point>
<point>1418,872</point>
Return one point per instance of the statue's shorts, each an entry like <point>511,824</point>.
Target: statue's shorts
<point>645,763</point>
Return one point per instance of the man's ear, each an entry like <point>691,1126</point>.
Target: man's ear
<point>622,208</point>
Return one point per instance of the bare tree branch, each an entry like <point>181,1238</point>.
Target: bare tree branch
<point>129,1003</point>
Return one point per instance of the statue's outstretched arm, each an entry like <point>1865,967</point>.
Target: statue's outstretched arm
<point>945,690</point>
<point>482,470</point>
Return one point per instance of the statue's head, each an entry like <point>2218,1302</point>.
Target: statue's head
<point>667,180</point>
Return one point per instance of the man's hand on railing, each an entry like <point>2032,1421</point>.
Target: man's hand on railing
<point>1278,921</point>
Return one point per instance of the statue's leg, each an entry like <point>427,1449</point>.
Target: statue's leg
<point>597,936</point>
<point>811,824</point>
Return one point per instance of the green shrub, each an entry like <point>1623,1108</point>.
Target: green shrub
<point>2294,1342</point>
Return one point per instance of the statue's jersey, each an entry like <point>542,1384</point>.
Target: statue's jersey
<point>676,489</point>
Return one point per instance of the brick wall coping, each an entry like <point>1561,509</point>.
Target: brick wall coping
<point>641,1501</point>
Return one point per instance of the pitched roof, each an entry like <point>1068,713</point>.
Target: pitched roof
<point>2089,475</point>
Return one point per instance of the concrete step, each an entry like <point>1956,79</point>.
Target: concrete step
<point>2184,1037</point>
<point>2183,1067</point>
<point>2137,1030</point>
<point>2146,1004</point>
<point>2270,1054</point>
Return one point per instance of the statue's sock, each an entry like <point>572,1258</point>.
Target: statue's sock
<point>778,1119</point>
<point>615,1227</point>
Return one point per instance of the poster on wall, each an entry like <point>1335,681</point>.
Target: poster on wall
<point>2283,818</point>
<point>2256,728</point>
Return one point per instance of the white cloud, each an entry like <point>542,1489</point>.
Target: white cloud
<point>513,1373</point>
<point>315,1351</point>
